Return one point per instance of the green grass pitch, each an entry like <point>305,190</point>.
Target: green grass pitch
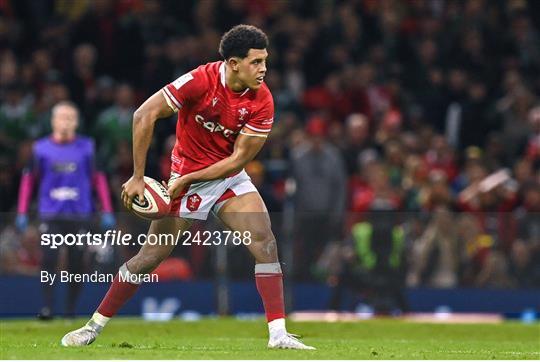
<point>225,338</point>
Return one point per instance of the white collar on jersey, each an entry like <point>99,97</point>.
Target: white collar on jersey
<point>222,77</point>
<point>222,73</point>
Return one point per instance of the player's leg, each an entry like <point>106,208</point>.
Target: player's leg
<point>150,255</point>
<point>49,263</point>
<point>247,212</point>
<point>75,264</point>
<point>127,281</point>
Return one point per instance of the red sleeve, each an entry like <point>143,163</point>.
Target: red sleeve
<point>186,88</point>
<point>263,119</point>
<point>29,177</point>
<point>102,188</point>
<point>25,192</point>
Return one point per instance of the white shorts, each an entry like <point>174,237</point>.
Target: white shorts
<point>200,198</point>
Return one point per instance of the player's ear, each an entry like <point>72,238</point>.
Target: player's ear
<point>234,63</point>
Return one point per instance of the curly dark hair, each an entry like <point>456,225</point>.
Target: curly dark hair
<point>239,39</point>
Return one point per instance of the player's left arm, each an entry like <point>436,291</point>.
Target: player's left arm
<point>246,147</point>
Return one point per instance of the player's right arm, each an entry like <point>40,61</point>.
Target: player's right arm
<point>144,119</point>
<point>164,103</point>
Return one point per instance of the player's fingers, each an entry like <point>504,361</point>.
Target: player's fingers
<point>125,200</point>
<point>167,186</point>
<point>172,192</point>
<point>141,197</point>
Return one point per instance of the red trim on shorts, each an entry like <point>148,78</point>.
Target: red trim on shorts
<point>175,206</point>
<point>226,195</point>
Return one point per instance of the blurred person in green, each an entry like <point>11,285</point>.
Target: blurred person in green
<point>16,119</point>
<point>114,125</point>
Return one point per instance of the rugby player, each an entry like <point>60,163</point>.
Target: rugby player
<point>225,113</point>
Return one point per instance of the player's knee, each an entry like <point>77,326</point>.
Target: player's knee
<point>262,235</point>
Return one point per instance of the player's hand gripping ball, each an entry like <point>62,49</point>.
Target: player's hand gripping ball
<point>156,203</point>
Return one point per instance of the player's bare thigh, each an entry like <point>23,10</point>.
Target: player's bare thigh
<point>152,254</point>
<point>248,212</point>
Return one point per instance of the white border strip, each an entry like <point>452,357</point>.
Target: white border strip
<point>257,129</point>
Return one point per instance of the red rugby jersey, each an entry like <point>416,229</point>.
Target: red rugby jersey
<point>210,116</point>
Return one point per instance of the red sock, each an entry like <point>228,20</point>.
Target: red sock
<point>269,280</point>
<point>119,293</point>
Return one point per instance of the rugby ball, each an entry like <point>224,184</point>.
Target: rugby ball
<point>156,203</point>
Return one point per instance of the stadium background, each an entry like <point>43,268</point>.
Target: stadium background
<point>385,112</point>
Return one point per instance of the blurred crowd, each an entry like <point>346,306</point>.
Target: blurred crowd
<point>422,113</point>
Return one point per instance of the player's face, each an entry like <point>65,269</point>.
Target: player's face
<point>64,122</point>
<point>252,69</point>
